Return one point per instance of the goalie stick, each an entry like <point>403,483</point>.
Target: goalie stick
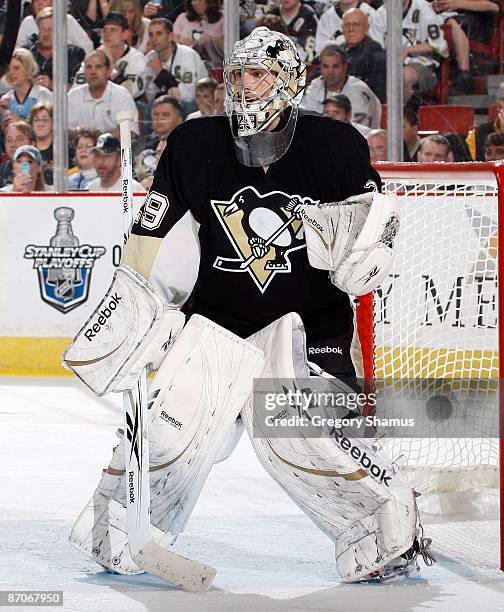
<point>146,552</point>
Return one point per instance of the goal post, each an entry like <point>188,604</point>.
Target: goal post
<point>435,324</point>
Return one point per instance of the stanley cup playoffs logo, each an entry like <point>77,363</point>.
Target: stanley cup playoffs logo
<point>64,266</point>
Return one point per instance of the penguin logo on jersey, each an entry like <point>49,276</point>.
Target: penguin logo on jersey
<point>264,230</point>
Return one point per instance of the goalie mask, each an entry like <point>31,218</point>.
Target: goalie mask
<point>265,80</point>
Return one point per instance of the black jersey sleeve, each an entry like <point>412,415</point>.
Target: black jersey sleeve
<point>165,203</point>
<point>164,246</point>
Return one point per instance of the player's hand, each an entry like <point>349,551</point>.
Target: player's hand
<point>4,103</point>
<point>154,63</point>
<point>150,10</point>
<point>259,249</point>
<point>405,52</point>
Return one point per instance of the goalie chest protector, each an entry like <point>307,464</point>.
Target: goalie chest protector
<point>254,266</point>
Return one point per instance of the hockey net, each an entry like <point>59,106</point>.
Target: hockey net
<point>435,330</point>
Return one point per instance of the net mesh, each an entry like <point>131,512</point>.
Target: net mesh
<point>436,331</point>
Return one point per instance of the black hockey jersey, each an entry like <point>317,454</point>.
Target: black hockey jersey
<point>230,228</point>
<point>302,29</point>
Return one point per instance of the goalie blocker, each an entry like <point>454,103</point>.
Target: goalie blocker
<point>131,327</point>
<point>352,239</point>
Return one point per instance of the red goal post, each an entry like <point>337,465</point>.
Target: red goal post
<point>438,317</point>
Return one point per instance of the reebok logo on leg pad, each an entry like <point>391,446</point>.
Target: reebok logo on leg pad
<point>361,457</point>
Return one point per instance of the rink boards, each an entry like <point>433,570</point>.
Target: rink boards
<point>58,254</point>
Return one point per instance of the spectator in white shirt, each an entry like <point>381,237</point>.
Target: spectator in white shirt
<point>423,40</point>
<point>75,34</point>
<point>128,64</point>
<point>330,25</point>
<point>173,69</point>
<point>366,107</point>
<point>107,162</point>
<point>95,104</point>
<point>25,93</point>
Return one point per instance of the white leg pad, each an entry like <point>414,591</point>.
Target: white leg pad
<point>369,513</point>
<point>100,534</point>
<point>232,438</point>
<point>194,400</point>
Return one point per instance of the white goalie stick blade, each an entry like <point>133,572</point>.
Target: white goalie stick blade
<point>185,573</point>
<point>146,552</point>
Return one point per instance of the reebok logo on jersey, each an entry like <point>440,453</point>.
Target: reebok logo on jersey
<point>361,456</point>
<point>171,420</point>
<point>325,349</point>
<point>103,316</point>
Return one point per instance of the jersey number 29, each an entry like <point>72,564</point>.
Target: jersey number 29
<point>153,210</point>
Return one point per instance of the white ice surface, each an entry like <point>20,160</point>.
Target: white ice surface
<point>54,440</point>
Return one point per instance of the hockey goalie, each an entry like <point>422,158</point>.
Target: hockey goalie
<point>259,231</point>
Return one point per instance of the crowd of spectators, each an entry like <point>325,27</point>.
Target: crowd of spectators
<point>162,60</point>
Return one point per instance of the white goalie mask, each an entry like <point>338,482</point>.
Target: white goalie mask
<point>265,80</point>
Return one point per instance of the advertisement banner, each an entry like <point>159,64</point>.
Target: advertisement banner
<point>59,252</point>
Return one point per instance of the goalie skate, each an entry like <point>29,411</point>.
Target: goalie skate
<point>405,565</point>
